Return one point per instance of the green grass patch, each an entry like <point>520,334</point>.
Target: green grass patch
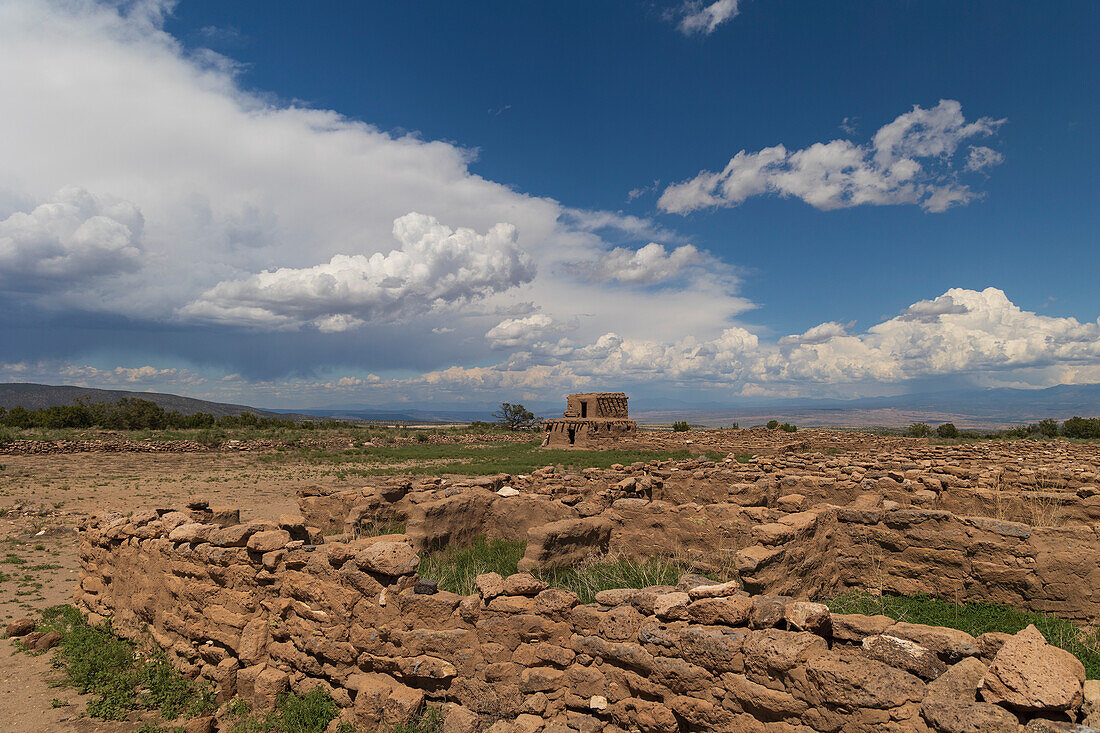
<point>97,662</point>
<point>744,457</point>
<point>477,459</point>
<point>977,617</point>
<point>590,578</point>
<point>455,569</point>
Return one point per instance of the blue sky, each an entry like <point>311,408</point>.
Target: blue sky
<point>193,195</point>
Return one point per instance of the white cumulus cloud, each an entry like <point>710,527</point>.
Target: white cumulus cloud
<point>908,161</point>
<point>644,266</point>
<point>436,267</point>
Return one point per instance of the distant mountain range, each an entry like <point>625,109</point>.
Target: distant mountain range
<point>966,408</point>
<point>36,396</point>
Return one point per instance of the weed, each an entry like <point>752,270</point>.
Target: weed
<point>309,713</point>
<point>97,662</point>
<point>744,457</point>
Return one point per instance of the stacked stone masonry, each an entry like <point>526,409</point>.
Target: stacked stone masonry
<point>265,607</point>
<point>944,521</point>
<point>591,420</point>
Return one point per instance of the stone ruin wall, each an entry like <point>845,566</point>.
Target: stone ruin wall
<point>599,405</point>
<point>805,535</point>
<point>265,607</point>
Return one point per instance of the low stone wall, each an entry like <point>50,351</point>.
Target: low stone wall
<point>260,608</point>
<point>883,547</point>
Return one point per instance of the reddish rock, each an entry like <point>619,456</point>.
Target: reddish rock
<point>20,627</point>
<point>523,584</point>
<point>388,558</point>
<point>1028,674</point>
<point>269,541</point>
<point>951,705</point>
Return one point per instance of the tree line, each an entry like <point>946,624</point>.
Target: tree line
<point>137,414</point>
<point>1075,427</point>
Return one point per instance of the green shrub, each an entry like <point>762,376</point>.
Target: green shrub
<point>772,424</point>
<point>211,438</point>
<point>1048,428</point>
<point>1081,427</point>
<point>734,426</point>
<point>918,430</point>
<point>309,713</point>
<point>788,428</point>
<point>680,426</point>
<point>947,430</point>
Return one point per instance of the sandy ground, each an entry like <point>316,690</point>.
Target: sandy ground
<point>44,498</point>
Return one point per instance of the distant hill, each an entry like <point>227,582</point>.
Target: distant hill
<point>990,408</point>
<point>35,396</point>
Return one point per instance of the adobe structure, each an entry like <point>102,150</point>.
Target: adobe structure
<point>590,419</point>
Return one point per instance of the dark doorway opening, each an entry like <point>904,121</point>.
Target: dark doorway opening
<point>584,409</point>
<point>572,436</point>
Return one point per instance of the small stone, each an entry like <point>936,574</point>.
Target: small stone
<point>671,606</point>
<point>507,491</point>
<point>426,587</point>
<point>489,585</point>
<point>523,584</point>
<point>193,532</point>
<point>48,641</point>
<point>20,627</point>
<point>388,558</point>
<point>717,590</point>
<point>904,654</point>
<point>269,541</point>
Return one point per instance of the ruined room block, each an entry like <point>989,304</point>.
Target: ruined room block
<point>591,420</point>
